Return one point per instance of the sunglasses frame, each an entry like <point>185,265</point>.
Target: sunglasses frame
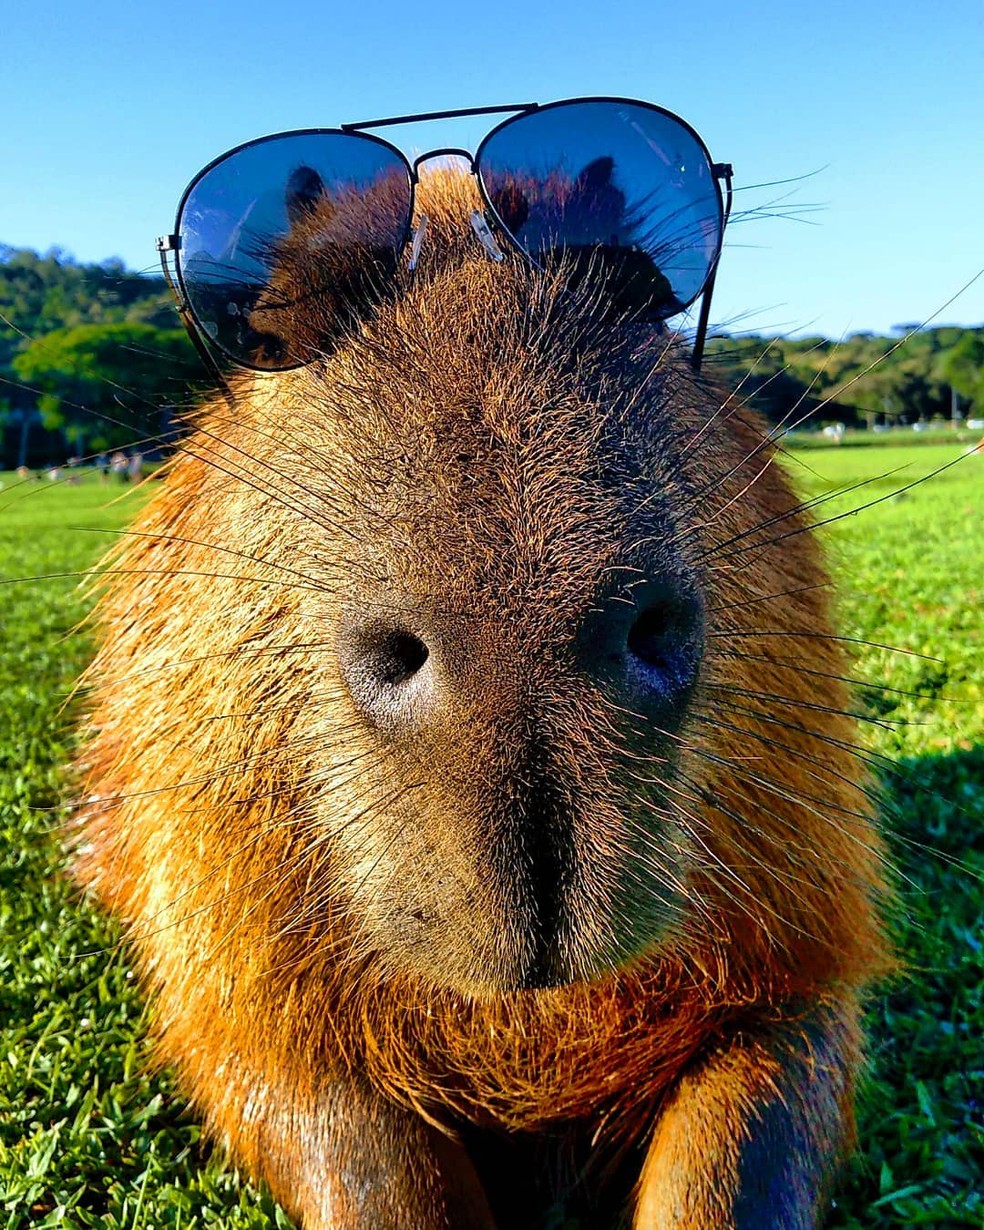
<point>171,244</point>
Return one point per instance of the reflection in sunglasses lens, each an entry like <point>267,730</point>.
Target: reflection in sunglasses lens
<point>285,240</point>
<point>617,186</point>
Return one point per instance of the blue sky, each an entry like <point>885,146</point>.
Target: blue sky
<point>111,107</point>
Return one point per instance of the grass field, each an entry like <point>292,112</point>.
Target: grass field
<point>89,1138</point>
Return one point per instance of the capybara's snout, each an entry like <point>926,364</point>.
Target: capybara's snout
<point>529,719</point>
<point>405,664</point>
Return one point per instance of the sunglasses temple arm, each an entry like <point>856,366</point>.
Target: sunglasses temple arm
<point>705,311</point>
<point>191,329</point>
<point>726,173</point>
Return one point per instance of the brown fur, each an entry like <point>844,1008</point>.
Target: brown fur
<point>333,975</point>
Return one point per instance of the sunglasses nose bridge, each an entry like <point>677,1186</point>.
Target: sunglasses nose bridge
<point>477,220</point>
<point>444,151</point>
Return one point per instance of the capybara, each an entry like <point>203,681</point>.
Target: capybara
<point>470,762</point>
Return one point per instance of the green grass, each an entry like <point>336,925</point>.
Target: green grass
<point>912,575</point>
<point>88,1137</point>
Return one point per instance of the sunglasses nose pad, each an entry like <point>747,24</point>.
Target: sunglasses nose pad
<point>484,232</point>
<point>417,241</point>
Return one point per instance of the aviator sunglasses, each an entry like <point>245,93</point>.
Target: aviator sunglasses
<point>598,187</point>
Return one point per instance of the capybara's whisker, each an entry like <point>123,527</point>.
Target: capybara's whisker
<point>777,699</point>
<point>754,634</point>
<point>894,494</point>
<point>853,751</point>
<point>774,597</point>
<point>308,581</point>
<point>822,809</point>
<point>800,667</point>
<point>241,652</point>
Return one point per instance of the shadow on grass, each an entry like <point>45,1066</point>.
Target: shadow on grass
<point>921,1112</point>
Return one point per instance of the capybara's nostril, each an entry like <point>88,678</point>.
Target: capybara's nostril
<point>400,655</point>
<point>386,670</point>
<point>647,644</point>
<point>665,645</point>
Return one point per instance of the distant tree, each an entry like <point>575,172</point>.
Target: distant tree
<point>962,366</point>
<point>42,293</point>
<point>896,391</point>
<point>107,385</point>
<point>758,370</point>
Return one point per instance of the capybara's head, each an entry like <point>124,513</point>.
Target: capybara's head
<point>486,648</point>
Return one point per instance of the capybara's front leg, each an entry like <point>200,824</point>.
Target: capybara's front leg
<point>752,1136</point>
<point>353,1161</point>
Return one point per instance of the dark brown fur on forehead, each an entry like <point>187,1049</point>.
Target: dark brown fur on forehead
<point>466,345</point>
<point>466,414</point>
<point>338,262</point>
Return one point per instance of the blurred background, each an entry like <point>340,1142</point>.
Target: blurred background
<point>854,131</point>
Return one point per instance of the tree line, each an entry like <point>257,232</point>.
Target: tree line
<point>916,375</point>
<point>92,357</point>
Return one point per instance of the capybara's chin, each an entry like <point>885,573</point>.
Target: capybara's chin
<point>486,931</point>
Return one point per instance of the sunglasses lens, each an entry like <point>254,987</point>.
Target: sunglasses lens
<point>284,242</point>
<point>614,186</point>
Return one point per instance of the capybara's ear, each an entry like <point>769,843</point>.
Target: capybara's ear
<point>512,206</point>
<point>596,201</point>
<point>596,175</point>
<point>304,192</point>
